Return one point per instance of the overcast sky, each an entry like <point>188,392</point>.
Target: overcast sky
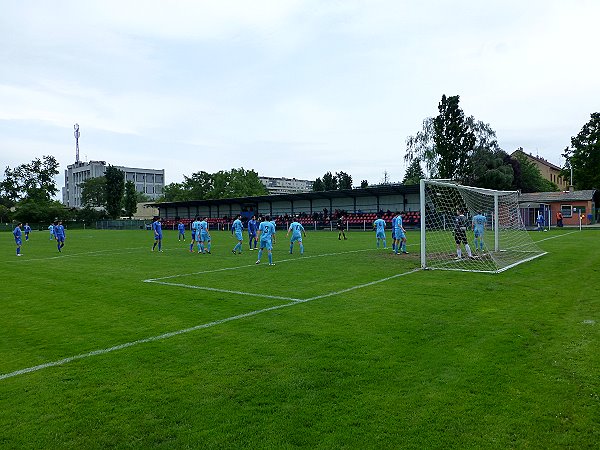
<point>287,88</point>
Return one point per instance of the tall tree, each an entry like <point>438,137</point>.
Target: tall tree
<point>115,188</point>
<point>93,192</point>
<point>34,180</point>
<point>329,182</point>
<point>344,180</point>
<point>584,155</point>
<point>364,184</point>
<point>454,140</point>
<point>490,170</point>
<point>414,173</point>
<point>130,200</point>
<point>318,185</point>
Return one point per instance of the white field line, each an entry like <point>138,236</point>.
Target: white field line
<point>557,236</point>
<point>303,258</point>
<point>78,255</point>
<point>226,291</point>
<point>195,328</point>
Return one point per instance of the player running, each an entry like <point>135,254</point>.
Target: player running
<point>17,235</point>
<point>237,227</point>
<point>297,231</point>
<point>59,235</point>
<point>379,226</point>
<point>26,230</point>
<point>266,230</point>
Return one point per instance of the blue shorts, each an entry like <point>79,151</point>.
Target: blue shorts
<point>204,236</point>
<point>158,237</point>
<point>296,238</point>
<point>193,235</point>
<point>18,241</point>
<point>399,234</point>
<point>380,235</point>
<point>266,243</point>
<point>238,235</point>
<point>252,234</point>
<point>478,233</point>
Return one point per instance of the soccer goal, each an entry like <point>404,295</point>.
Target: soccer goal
<point>451,214</point>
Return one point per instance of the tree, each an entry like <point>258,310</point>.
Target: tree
<point>344,180</point>
<point>454,140</point>
<point>318,185</point>
<point>584,155</point>
<point>93,192</point>
<point>531,179</point>
<point>40,211</point>
<point>130,200</point>
<point>115,188</point>
<point>33,181</point>
<point>329,182</point>
<point>364,184</point>
<point>491,170</point>
<point>4,214</point>
<point>414,173</point>
<point>90,216</point>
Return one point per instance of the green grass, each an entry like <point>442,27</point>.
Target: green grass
<point>431,359</point>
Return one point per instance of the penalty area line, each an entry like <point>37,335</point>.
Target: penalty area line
<point>104,351</point>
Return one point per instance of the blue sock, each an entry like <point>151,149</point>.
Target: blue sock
<point>191,246</point>
<point>259,254</point>
<point>291,248</point>
<point>270,258</point>
<point>18,250</point>
<point>208,247</point>
<point>301,249</point>
<point>159,245</point>
<point>384,244</point>
<point>377,243</point>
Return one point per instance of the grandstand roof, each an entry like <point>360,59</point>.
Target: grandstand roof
<point>376,191</point>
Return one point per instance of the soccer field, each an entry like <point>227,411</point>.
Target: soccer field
<point>110,345</point>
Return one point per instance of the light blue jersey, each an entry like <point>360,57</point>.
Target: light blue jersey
<point>297,229</point>
<point>266,230</point>
<point>398,229</point>
<point>237,227</point>
<point>379,225</point>
<point>479,224</point>
<point>202,230</point>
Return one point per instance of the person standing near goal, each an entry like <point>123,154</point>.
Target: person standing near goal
<point>460,234</point>
<point>399,235</point>
<point>478,229</point>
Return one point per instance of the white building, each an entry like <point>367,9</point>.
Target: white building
<point>277,186</point>
<point>148,181</point>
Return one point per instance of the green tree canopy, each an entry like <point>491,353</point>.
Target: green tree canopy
<point>344,180</point>
<point>414,173</point>
<point>584,156</point>
<point>531,179</point>
<point>93,192</point>
<point>34,180</point>
<point>318,185</point>
<point>223,184</point>
<point>364,184</point>
<point>454,140</point>
<point>330,182</point>
<point>115,188</point>
<point>130,200</point>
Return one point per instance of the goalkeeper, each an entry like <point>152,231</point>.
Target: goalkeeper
<point>460,234</point>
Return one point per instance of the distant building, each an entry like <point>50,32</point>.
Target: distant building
<point>548,170</point>
<point>147,181</point>
<point>276,186</point>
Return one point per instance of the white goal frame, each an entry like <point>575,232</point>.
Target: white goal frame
<point>511,244</point>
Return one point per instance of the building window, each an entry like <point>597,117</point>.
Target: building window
<point>139,177</point>
<point>566,210</point>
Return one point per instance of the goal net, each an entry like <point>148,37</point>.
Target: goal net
<point>472,229</point>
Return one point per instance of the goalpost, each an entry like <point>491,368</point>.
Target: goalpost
<point>504,243</point>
